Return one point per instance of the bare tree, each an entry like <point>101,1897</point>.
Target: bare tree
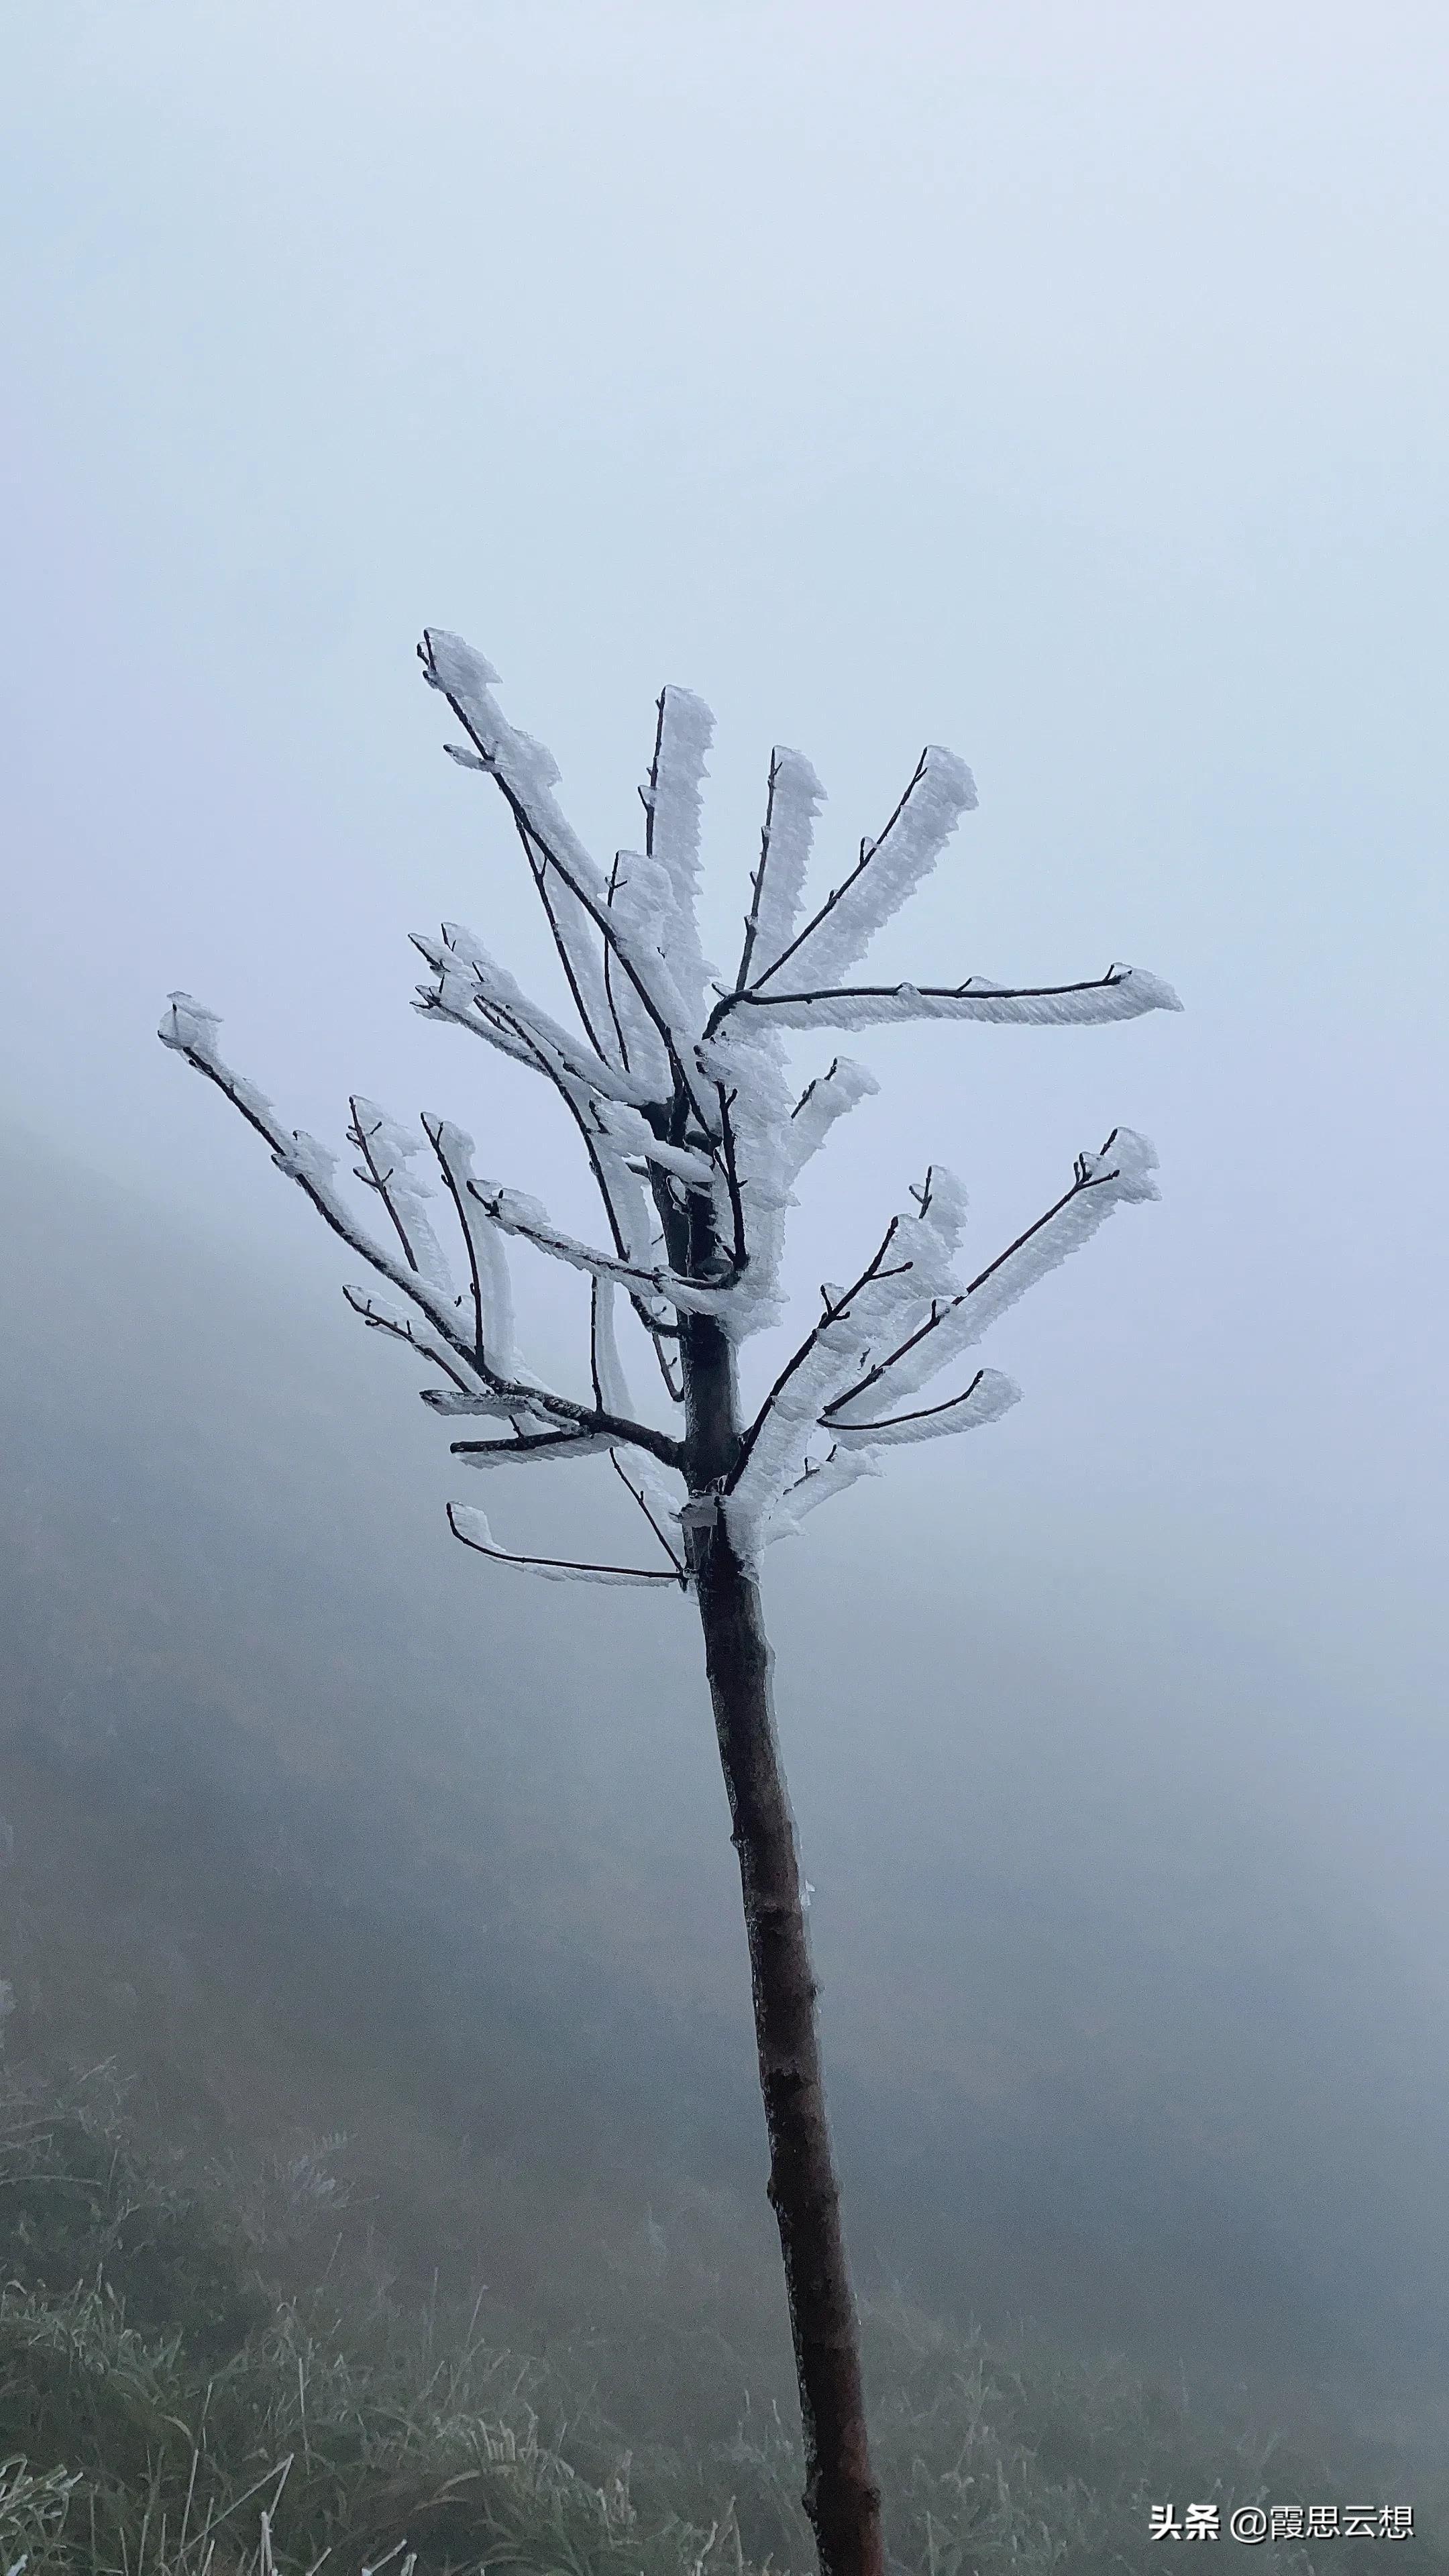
<point>678,1085</point>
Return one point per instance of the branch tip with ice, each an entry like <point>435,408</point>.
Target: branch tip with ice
<point>471,1526</point>
<point>1123,993</point>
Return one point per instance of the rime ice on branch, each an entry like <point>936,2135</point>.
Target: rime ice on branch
<point>677,1083</point>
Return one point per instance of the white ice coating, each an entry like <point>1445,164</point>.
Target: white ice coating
<point>517,1453</point>
<point>672,800</point>
<point>818,1482</point>
<point>527,773</point>
<point>665,1499</point>
<point>911,1268</point>
<point>611,1386</point>
<point>516,1212</point>
<point>824,1100</point>
<point>386,1152</point>
<point>631,1134</point>
<point>681,1091</point>
<point>474,988</point>
<point>644,911</point>
<point>391,1317</point>
<point>636,1041</point>
<point>885,876</point>
<point>1119,1175</point>
<point>471,1525</point>
<point>489,1276</point>
<point>660,1502</point>
<point>1123,993</point>
<point>793,802</point>
<point>989,1395</point>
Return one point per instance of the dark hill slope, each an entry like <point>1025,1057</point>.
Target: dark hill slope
<point>319,1828</point>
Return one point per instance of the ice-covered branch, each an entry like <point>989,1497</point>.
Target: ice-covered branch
<point>191,1031</point>
<point>581,951</point>
<point>636,1039</point>
<point>606,1122</point>
<point>480,995</point>
<point>988,1396</point>
<point>877,1343</point>
<point>772,1452</point>
<point>379,1317</point>
<point>526,1446</point>
<point>819,1481</point>
<point>886,873</point>
<point>856,1454</point>
<point>472,1528</point>
<point>487,1262</point>
<point>526,774</point>
<point>1119,1175</point>
<point>777,887</point>
<point>827,1098</point>
<point>683,733</point>
<point>611,1387</point>
<point>519,1214</point>
<point>630,1134</point>
<point>658,1506</point>
<point>388,1149</point>
<point>1123,993</point>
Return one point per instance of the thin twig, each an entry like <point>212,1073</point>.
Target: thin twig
<point>835,1308</point>
<point>837,894</point>
<point>564,1564</point>
<point>375,1178</point>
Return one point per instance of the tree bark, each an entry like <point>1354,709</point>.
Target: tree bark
<point>841,2496</point>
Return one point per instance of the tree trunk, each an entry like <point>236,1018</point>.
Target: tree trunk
<point>841,2497</point>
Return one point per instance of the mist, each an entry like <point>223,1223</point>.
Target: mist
<point>1058,386</point>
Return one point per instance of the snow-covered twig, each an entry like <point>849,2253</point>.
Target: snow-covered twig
<point>191,1031</point>
<point>527,774</point>
<point>655,1505</point>
<point>793,800</point>
<point>1119,1175</point>
<point>516,1213</point>
<point>471,1526</point>
<point>886,873</point>
<point>1123,993</point>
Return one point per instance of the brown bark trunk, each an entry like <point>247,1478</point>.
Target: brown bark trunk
<point>841,2496</point>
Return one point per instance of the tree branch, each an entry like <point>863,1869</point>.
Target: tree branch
<point>363,1138</point>
<point>539,874</point>
<point>190,1031</point>
<point>641,1497</point>
<point>531,1445</point>
<point>1123,993</point>
<point>868,851</point>
<point>1122,1170</point>
<point>569,871</point>
<point>991,1393</point>
<point>532,1048</point>
<point>472,1528</point>
<point>740,1254</point>
<point>623,1042</point>
<point>836,1309</point>
<point>401,1328</point>
<point>518,1214</point>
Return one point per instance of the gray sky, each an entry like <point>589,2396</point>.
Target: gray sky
<point>1062,383</point>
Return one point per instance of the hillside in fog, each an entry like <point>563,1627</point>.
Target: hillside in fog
<point>316,1829</point>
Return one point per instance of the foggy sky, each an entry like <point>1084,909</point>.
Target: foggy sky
<point>1065,385</point>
